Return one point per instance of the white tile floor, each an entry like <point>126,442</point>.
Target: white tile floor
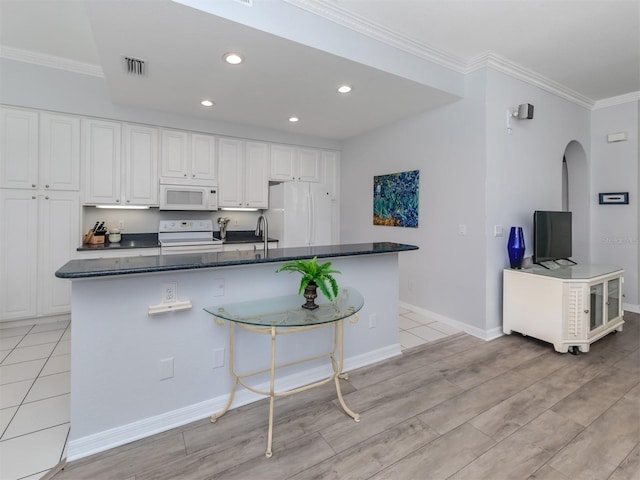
<point>416,329</point>
<point>34,390</point>
<point>34,398</point>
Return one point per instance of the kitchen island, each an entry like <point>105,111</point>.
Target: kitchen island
<point>135,373</point>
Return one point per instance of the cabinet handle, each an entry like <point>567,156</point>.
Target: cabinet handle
<point>46,186</point>
<point>185,174</point>
<point>46,198</point>
<point>117,201</point>
<point>33,185</point>
<point>128,201</point>
<point>586,311</point>
<point>607,303</point>
<point>194,175</point>
<point>33,197</point>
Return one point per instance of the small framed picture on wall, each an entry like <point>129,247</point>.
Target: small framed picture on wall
<point>617,198</point>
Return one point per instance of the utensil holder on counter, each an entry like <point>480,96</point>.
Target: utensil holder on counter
<point>92,239</point>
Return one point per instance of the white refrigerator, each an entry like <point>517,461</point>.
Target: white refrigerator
<point>299,214</point>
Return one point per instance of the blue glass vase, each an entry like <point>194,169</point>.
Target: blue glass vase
<point>515,247</point>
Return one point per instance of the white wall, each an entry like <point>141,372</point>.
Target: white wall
<point>615,169</point>
<point>524,170</point>
<point>472,172</point>
<point>446,275</point>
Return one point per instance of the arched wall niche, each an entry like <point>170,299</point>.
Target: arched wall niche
<point>576,190</point>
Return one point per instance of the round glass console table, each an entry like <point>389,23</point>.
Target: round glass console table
<point>283,316</point>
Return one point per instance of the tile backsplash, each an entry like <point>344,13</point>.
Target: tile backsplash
<point>146,221</point>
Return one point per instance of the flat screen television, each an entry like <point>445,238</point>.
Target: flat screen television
<point>551,235</point>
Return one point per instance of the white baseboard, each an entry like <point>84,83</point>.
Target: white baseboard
<point>629,307</point>
<point>35,320</point>
<point>99,442</point>
<point>490,334</point>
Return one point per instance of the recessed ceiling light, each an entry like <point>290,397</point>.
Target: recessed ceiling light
<point>232,58</point>
<point>206,103</point>
<point>344,88</point>
<point>294,119</point>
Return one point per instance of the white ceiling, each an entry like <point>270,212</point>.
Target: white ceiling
<point>590,48</point>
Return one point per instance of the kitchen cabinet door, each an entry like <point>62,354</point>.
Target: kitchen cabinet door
<point>58,233</point>
<point>231,171</point>
<point>203,158</point>
<point>282,162</point>
<point>18,148</point>
<point>18,253</point>
<point>308,165</point>
<point>174,155</point>
<point>140,165</point>
<point>102,154</point>
<point>59,165</point>
<point>256,172</point>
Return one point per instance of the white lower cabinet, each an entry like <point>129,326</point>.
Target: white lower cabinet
<point>44,231</point>
<point>116,253</point>
<point>241,247</point>
<point>570,307</point>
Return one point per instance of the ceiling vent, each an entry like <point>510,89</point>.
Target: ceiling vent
<point>134,66</point>
<point>248,3</point>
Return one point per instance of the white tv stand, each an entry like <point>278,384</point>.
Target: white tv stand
<point>570,307</point>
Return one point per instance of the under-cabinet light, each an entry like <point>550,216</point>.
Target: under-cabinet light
<point>238,209</point>
<point>124,207</point>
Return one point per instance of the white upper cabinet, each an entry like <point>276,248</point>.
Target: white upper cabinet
<point>188,158</point>
<point>289,163</point>
<point>59,152</point>
<point>120,172</point>
<point>244,173</point>
<point>140,165</point>
<point>102,156</point>
<point>18,148</point>
<point>256,175</point>
<point>203,157</point>
<point>309,163</point>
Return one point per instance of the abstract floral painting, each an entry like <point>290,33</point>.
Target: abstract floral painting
<point>395,199</point>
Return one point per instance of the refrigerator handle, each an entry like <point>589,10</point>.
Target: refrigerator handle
<point>312,209</point>
<point>309,218</point>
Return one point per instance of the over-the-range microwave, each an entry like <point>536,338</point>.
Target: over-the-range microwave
<point>185,197</point>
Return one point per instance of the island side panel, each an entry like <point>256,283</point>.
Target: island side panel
<point>116,392</point>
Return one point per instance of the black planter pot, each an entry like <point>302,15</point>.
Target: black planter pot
<point>310,294</point>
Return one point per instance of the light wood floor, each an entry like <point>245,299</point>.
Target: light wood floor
<point>459,408</point>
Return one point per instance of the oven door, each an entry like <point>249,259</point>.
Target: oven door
<point>181,197</point>
<point>171,250</point>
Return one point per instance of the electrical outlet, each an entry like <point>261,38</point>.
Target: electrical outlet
<point>170,292</point>
<point>121,224</point>
<point>218,358</point>
<point>166,368</point>
<point>235,222</point>
<point>373,320</point>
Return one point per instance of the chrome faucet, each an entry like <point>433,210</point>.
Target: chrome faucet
<point>262,228</point>
<point>222,223</point>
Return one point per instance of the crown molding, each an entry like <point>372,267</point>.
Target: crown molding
<point>619,100</point>
<point>359,24</point>
<point>501,64</point>
<point>338,15</point>
<point>52,61</point>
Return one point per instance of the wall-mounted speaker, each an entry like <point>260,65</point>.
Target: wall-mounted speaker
<point>525,111</point>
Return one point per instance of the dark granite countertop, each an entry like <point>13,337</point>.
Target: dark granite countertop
<point>129,240</point>
<point>106,267</point>
<point>243,236</point>
<point>150,240</point>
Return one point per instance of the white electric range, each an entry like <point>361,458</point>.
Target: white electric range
<point>187,236</point>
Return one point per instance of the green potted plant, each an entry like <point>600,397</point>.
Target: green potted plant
<point>314,276</point>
